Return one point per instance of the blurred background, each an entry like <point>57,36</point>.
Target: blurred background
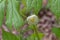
<point>13,18</point>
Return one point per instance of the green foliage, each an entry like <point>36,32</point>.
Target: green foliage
<point>55,8</point>
<point>2,5</point>
<point>34,5</point>
<point>12,16</point>
<point>54,5</point>
<point>8,36</point>
<point>56,31</point>
<point>34,37</point>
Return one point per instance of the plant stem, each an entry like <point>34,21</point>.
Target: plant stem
<point>36,32</point>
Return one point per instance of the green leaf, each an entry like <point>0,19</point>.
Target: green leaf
<point>35,5</point>
<point>28,4</point>
<point>54,5</point>
<point>56,31</point>
<point>2,5</point>
<point>13,17</point>
<point>8,36</point>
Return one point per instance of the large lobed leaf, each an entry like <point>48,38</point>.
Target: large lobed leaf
<point>13,17</point>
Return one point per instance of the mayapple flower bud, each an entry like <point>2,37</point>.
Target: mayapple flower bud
<point>33,19</point>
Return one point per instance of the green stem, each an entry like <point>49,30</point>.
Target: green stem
<point>36,32</point>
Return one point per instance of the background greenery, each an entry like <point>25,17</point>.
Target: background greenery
<point>16,12</point>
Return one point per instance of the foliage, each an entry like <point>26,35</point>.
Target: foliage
<point>14,15</point>
<point>2,5</point>
<point>9,36</point>
<point>55,7</point>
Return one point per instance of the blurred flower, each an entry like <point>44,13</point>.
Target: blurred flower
<point>33,19</point>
